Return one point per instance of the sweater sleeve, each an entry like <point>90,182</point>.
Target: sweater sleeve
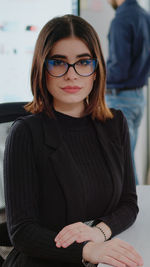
<point>126,211</point>
<point>21,195</point>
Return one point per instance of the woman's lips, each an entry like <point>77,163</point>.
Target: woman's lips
<point>71,89</point>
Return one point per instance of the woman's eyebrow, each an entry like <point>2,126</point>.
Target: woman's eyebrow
<point>83,55</point>
<point>65,57</point>
<point>58,56</point>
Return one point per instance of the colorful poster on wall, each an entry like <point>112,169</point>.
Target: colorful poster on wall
<point>20,23</point>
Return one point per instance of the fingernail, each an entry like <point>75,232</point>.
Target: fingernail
<point>58,245</point>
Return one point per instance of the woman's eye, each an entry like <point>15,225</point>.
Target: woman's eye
<point>84,62</point>
<point>58,63</point>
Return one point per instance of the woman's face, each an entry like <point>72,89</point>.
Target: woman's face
<point>70,89</point>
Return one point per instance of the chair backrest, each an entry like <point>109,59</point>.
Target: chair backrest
<point>8,113</point>
<point>5,243</point>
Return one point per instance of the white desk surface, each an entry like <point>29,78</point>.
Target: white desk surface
<point>138,235</point>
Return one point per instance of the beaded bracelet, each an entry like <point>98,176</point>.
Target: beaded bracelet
<point>102,231</point>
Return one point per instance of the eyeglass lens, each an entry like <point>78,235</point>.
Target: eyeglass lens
<point>83,67</point>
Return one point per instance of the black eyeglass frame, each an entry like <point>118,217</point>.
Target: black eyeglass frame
<point>73,66</point>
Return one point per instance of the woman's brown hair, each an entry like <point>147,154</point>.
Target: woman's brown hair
<point>55,30</point>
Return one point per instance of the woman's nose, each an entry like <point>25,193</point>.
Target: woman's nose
<point>71,74</point>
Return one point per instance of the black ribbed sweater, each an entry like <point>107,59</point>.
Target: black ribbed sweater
<point>80,137</point>
<point>29,236</point>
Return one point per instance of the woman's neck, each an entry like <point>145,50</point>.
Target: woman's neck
<point>73,110</point>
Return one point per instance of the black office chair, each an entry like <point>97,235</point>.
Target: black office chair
<point>8,113</point>
<point>1,260</point>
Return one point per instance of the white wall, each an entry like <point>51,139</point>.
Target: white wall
<point>144,3</point>
<point>99,14</point>
<point>17,43</point>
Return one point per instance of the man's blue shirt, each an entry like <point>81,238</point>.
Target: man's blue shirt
<point>128,65</point>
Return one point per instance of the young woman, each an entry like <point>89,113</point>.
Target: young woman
<point>69,180</point>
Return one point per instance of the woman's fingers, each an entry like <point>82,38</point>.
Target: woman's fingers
<point>129,251</point>
<point>78,232</point>
<point>68,228</point>
<point>114,252</point>
<point>113,262</point>
<point>129,254</point>
<point>65,243</point>
<point>70,238</point>
<point>122,258</point>
<point>124,251</point>
<point>72,233</point>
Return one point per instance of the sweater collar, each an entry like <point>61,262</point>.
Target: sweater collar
<point>126,4</point>
<point>72,123</point>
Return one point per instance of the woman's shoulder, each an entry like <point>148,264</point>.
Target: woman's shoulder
<point>29,121</point>
<point>22,121</point>
<point>115,128</point>
<point>25,129</point>
<point>117,114</point>
<point>118,119</point>
<point>21,126</point>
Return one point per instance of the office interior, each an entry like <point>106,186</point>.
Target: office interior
<point>99,14</point>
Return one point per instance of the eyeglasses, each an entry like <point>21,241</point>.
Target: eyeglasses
<point>83,67</point>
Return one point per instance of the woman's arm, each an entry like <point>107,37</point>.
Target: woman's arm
<point>21,193</point>
<point>126,212</point>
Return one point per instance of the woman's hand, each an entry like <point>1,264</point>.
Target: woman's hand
<point>114,252</point>
<point>78,232</point>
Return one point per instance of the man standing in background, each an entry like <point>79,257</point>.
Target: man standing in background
<point>128,64</point>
